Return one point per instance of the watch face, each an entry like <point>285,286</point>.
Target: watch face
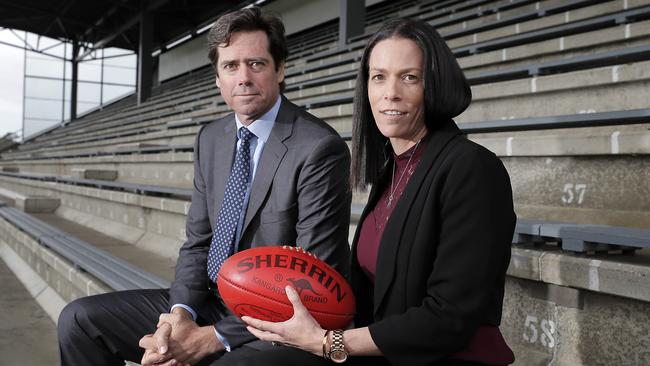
<point>338,356</point>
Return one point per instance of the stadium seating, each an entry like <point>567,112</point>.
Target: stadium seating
<point>560,94</point>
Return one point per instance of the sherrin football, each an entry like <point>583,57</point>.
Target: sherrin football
<point>252,282</point>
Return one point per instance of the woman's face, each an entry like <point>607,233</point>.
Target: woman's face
<point>396,88</point>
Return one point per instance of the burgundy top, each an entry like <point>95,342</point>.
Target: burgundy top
<point>372,228</point>
<point>487,345</point>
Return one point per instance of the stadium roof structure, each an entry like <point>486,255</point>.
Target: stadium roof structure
<point>112,23</point>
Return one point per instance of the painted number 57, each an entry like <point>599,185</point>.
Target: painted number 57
<point>573,193</point>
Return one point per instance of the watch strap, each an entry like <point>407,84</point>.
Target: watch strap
<point>325,338</point>
<point>337,351</point>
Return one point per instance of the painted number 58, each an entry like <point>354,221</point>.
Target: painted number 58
<point>543,331</point>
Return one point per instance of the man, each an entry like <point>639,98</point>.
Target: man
<point>269,174</point>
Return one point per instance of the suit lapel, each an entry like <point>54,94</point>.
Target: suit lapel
<point>274,151</point>
<point>391,239</point>
<point>224,151</point>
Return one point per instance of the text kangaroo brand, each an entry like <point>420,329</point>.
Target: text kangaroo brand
<point>294,264</point>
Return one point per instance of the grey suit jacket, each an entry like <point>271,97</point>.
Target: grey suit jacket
<point>300,196</point>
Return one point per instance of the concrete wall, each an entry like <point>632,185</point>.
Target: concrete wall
<point>297,15</point>
<point>52,280</point>
<point>600,189</point>
<point>151,223</point>
<point>565,309</point>
<point>596,329</point>
<point>167,169</point>
<point>567,175</point>
<point>179,60</point>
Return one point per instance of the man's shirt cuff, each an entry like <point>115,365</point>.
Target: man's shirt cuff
<point>223,340</point>
<point>189,309</point>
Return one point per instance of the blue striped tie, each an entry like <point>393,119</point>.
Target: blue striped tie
<point>223,238</point>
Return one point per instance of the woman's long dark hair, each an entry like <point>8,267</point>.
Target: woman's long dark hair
<point>446,95</point>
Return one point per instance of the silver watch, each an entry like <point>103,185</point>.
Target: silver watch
<point>337,353</point>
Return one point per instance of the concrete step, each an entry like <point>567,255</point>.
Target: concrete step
<point>150,262</point>
<point>27,334</point>
<point>607,190</point>
<point>31,203</point>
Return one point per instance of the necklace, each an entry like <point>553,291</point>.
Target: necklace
<point>393,186</point>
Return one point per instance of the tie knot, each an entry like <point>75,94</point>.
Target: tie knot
<point>244,134</point>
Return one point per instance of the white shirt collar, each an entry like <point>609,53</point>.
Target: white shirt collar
<point>262,126</point>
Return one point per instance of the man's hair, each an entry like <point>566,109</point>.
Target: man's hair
<point>446,94</point>
<point>249,20</point>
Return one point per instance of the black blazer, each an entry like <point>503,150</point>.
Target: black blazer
<point>443,256</point>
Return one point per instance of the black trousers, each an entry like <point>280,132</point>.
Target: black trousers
<point>105,329</point>
<point>286,356</point>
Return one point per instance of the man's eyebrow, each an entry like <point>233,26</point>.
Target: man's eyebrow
<point>246,60</point>
<point>258,59</point>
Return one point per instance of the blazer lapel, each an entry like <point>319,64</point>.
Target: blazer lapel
<point>274,151</point>
<point>224,151</point>
<point>391,239</point>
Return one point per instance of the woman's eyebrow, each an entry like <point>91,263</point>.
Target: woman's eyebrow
<point>399,71</point>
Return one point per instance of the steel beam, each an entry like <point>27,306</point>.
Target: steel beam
<point>145,61</point>
<point>352,20</point>
<point>129,23</point>
<point>74,81</point>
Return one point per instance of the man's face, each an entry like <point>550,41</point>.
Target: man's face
<point>247,76</point>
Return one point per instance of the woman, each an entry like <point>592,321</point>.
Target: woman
<point>433,244</point>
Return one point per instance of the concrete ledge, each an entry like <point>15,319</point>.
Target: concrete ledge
<point>164,138</point>
<point>594,216</point>
<point>162,245</point>
<point>32,203</point>
<point>167,157</point>
<point>584,99</point>
<point>555,325</point>
<point>604,275</point>
<point>100,174</point>
<point>626,276</point>
<point>524,263</point>
<point>152,223</point>
<point>597,190</point>
<point>126,198</point>
<point>38,204</point>
<point>46,297</point>
<point>173,168</point>
<point>605,140</point>
<point>138,145</point>
<point>53,281</point>
<point>11,194</point>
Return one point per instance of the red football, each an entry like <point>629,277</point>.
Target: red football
<point>252,282</point>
